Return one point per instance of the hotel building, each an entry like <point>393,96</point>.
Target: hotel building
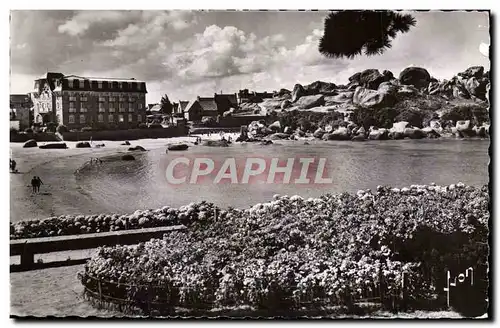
<point>77,102</point>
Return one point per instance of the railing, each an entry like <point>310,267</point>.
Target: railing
<point>27,248</point>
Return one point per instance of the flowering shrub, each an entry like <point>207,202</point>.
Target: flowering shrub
<point>293,251</point>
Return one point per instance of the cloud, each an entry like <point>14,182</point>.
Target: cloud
<point>83,20</point>
<point>219,52</point>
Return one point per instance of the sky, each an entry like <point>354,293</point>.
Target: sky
<point>185,54</point>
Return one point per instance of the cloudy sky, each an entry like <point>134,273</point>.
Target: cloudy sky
<point>184,54</point>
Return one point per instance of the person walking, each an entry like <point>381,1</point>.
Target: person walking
<point>34,183</point>
<point>38,183</point>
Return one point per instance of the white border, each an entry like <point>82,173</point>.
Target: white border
<point>190,4</point>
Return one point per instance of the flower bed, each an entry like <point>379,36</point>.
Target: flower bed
<point>331,250</point>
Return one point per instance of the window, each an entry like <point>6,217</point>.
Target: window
<point>102,109</point>
<point>99,84</point>
<point>111,108</point>
<point>120,118</point>
<point>72,98</point>
<point>100,118</point>
<point>72,107</point>
<point>102,99</point>
<point>83,107</point>
<point>122,99</point>
<point>82,118</point>
<point>81,83</point>
<point>71,119</point>
<point>112,99</point>
<point>70,83</point>
<point>120,86</point>
<point>111,118</point>
<point>139,86</point>
<point>130,117</point>
<point>139,118</point>
<point>130,85</point>
<point>83,98</point>
<point>122,107</point>
<point>130,107</point>
<point>139,106</point>
<point>131,99</point>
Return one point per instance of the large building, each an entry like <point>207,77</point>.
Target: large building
<point>77,102</point>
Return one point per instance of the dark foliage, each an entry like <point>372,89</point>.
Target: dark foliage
<point>379,117</point>
<point>352,33</point>
<point>166,105</point>
<point>477,114</point>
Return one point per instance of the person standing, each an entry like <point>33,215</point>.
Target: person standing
<point>38,183</point>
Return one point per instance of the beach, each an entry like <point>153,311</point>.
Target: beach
<point>56,168</point>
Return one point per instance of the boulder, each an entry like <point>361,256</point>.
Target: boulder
<point>306,102</point>
<point>371,78</point>
<point>128,157</point>
<point>343,97</point>
<point>266,142</point>
<point>368,98</point>
<point>399,126</point>
<point>395,135</point>
<point>126,143</point>
<point>320,87</point>
<point>463,126</point>
<point>464,129</point>
<point>216,143</point>
<point>416,76</point>
<point>178,147</point>
<point>278,136</point>
<point>473,71</point>
<point>480,131</point>
<point>319,133</point>
<point>298,91</point>
<point>137,148</point>
<point>436,126</point>
<point>281,93</point>
<point>276,126</point>
<point>286,104</point>
<point>431,133</point>
<point>83,144</point>
<point>30,144</point>
<point>340,134</point>
<point>476,88</point>
<point>54,146</point>
<point>414,133</point>
<point>359,137</point>
<point>433,88</point>
<point>378,134</point>
<point>407,90</point>
<point>361,131</point>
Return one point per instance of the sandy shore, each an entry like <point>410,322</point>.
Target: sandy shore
<point>56,167</point>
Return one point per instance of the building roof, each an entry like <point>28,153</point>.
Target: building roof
<point>189,105</point>
<point>207,104</point>
<point>183,104</point>
<point>231,96</point>
<point>113,79</point>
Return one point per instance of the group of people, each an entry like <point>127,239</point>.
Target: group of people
<point>36,182</point>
